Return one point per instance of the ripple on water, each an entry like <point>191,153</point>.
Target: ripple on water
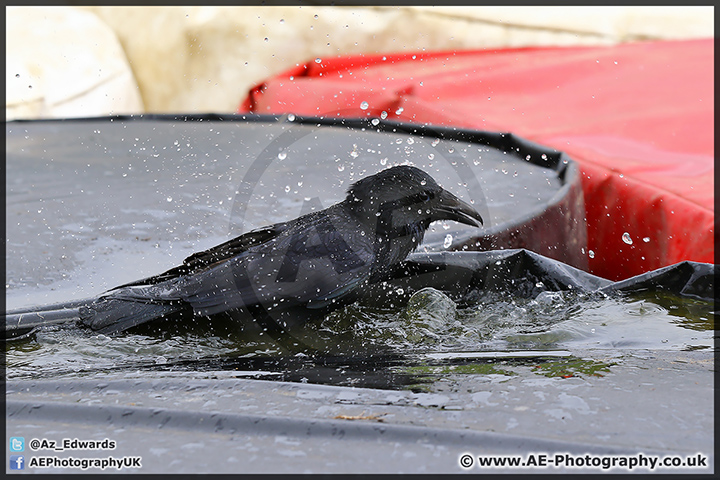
<point>429,322</point>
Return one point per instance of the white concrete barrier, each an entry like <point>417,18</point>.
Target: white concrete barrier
<point>205,59</point>
<point>65,62</point>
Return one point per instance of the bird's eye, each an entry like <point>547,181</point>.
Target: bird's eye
<point>425,197</point>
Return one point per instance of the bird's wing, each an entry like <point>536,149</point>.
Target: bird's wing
<point>199,261</point>
<point>319,259</point>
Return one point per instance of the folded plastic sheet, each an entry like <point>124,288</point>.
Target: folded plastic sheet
<point>522,273</point>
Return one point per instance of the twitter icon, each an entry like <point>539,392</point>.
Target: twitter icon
<point>17,444</point>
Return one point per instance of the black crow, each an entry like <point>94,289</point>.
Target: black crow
<point>313,262</point>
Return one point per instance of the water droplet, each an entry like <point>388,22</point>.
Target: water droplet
<point>341,167</point>
<point>291,118</point>
<point>383,161</point>
<point>354,153</point>
<point>169,199</point>
<point>431,156</point>
<point>318,60</point>
<point>266,39</point>
<point>626,238</point>
<point>435,142</point>
<point>399,111</point>
<point>287,188</point>
<point>646,239</point>
<point>375,121</point>
<point>410,141</point>
<point>423,182</point>
<point>364,105</point>
<point>383,115</point>
<point>282,156</point>
<point>591,254</point>
<point>448,241</point>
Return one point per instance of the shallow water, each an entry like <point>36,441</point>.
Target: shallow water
<point>388,347</point>
<point>101,203</point>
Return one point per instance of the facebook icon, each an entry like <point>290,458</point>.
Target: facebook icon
<point>17,462</point>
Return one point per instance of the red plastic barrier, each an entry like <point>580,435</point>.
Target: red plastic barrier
<point>637,117</point>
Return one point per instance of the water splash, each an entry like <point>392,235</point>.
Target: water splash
<point>426,321</point>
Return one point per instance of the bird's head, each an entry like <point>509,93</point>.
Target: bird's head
<point>404,200</point>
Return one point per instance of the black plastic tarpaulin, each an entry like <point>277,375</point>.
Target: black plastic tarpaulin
<point>94,203</point>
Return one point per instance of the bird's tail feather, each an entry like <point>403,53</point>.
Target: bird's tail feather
<point>105,315</point>
<point>113,315</point>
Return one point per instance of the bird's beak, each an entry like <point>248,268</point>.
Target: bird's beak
<point>450,207</point>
